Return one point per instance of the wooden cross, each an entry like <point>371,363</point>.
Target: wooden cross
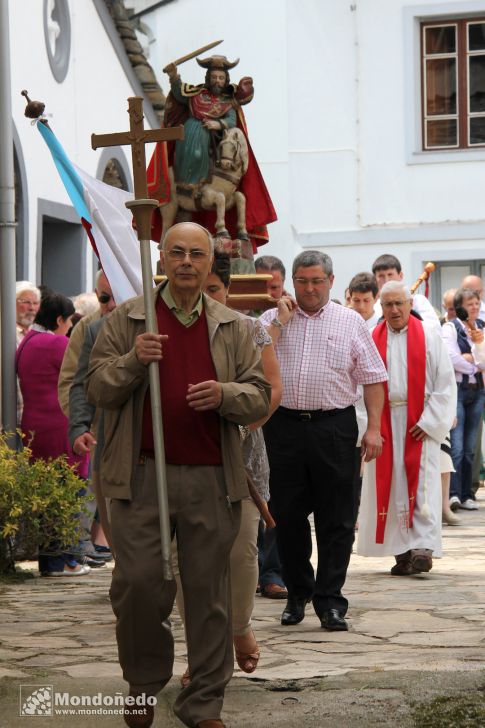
<point>137,137</point>
<point>142,209</point>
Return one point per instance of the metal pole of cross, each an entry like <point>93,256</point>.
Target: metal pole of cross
<point>142,209</point>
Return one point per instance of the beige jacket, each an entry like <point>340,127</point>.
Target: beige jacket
<point>117,382</point>
<point>71,358</point>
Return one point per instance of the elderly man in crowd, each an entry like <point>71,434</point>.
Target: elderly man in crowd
<point>325,351</point>
<point>211,381</point>
<point>448,306</point>
<point>27,299</point>
<point>401,496</point>
<point>388,268</point>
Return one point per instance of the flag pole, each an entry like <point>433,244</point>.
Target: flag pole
<point>8,404</point>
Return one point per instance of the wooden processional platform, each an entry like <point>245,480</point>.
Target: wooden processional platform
<point>247,292</point>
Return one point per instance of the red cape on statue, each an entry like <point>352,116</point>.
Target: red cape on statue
<point>259,207</point>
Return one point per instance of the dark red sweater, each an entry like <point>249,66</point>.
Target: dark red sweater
<point>191,438</point>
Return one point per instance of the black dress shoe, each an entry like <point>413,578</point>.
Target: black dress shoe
<point>333,621</point>
<point>294,612</point>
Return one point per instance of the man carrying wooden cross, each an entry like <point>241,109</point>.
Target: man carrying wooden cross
<point>211,381</point>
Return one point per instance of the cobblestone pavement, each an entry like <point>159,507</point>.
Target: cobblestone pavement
<point>411,640</point>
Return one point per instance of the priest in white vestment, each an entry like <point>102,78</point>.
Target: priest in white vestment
<point>401,494</point>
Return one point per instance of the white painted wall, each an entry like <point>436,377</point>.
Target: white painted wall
<point>92,98</point>
<point>334,122</point>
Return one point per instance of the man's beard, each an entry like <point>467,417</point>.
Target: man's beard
<point>26,320</point>
<point>216,90</point>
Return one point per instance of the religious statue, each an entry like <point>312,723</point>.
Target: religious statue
<point>211,112</point>
<point>212,173</point>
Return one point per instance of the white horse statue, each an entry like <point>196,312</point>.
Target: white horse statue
<point>221,193</point>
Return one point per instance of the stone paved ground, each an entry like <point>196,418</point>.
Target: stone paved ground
<point>414,657</point>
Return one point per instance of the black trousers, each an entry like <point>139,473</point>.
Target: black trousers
<point>312,466</point>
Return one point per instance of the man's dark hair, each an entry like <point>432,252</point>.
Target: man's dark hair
<point>221,267</point>
<point>363,283</point>
<point>386,262</point>
<point>463,294</point>
<point>51,307</point>
<point>45,291</point>
<point>269,263</point>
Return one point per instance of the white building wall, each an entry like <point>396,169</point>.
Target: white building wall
<point>92,98</point>
<point>322,109</point>
<point>335,121</point>
<point>417,205</point>
<point>335,124</point>
<point>396,189</point>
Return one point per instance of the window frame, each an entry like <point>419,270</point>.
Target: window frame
<point>436,288</point>
<point>462,54</point>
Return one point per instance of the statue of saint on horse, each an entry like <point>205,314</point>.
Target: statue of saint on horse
<point>212,173</point>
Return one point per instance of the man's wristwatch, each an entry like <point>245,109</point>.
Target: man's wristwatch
<point>276,322</point>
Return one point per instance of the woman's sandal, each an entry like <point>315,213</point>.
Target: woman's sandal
<point>247,661</point>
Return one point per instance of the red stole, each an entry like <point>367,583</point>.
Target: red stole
<point>416,362</point>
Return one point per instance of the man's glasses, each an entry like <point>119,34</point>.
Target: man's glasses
<point>26,302</point>
<point>104,298</point>
<point>311,281</point>
<point>180,254</point>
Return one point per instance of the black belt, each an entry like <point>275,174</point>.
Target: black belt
<point>311,415</point>
<point>469,385</point>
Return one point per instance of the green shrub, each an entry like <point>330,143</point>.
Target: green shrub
<point>39,500</point>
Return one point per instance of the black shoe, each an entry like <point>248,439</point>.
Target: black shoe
<point>138,716</point>
<point>294,612</point>
<point>333,621</point>
<point>103,552</point>
<point>94,563</point>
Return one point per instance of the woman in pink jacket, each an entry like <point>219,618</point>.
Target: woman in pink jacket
<point>44,425</point>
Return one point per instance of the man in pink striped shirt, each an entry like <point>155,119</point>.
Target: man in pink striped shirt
<point>325,350</point>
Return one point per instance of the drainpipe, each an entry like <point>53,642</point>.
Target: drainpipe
<point>8,403</point>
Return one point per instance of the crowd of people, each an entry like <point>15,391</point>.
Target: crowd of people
<point>365,416</point>
<point>45,321</point>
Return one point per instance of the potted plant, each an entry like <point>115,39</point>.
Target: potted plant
<point>39,500</point>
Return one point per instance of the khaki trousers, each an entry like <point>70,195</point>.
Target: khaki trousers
<point>243,569</point>
<point>205,527</point>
